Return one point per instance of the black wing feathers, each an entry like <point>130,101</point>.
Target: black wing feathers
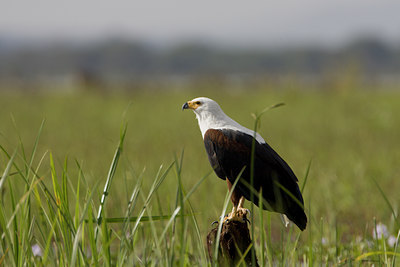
<point>229,152</point>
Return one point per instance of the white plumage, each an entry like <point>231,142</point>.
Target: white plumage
<point>211,116</point>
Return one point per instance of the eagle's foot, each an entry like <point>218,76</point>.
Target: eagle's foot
<point>240,215</point>
<point>220,218</point>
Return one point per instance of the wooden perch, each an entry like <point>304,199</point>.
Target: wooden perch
<point>233,244</point>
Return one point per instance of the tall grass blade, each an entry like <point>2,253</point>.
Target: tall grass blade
<point>6,236</point>
<point>35,145</point>
<point>395,248</point>
<point>387,202</point>
<point>92,241</point>
<point>106,244</point>
<point>20,202</point>
<point>306,177</point>
<point>3,257</point>
<point>21,144</point>
<point>15,230</point>
<point>194,188</point>
<point>75,245</point>
<point>110,176</point>
<point>80,226</point>
<point>7,170</point>
<point>289,194</point>
<point>262,231</point>
<point>222,216</point>
<point>257,125</point>
<point>241,261</point>
<point>181,193</point>
<point>19,171</point>
<point>170,221</point>
<point>48,240</point>
<point>157,182</point>
<point>374,253</point>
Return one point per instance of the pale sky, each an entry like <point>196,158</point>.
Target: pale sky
<point>254,23</point>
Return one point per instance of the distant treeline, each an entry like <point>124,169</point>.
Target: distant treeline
<point>128,60</point>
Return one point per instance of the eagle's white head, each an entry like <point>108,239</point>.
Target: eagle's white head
<point>204,107</point>
<point>210,116</point>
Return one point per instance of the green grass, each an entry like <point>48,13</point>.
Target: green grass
<point>162,196</point>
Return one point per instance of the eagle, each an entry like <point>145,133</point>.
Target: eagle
<point>229,147</point>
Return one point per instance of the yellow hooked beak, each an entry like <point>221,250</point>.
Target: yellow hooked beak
<point>191,105</point>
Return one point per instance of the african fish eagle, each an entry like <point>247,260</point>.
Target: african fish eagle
<point>229,148</point>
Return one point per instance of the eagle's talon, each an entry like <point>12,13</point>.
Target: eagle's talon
<point>248,212</point>
<point>222,218</point>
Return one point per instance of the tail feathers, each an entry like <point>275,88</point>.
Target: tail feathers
<point>297,216</point>
<point>285,220</point>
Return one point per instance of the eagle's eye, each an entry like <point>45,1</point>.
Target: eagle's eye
<point>198,103</point>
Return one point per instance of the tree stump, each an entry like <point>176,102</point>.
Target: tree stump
<point>233,243</point>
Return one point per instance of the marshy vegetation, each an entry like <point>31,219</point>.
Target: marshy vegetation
<point>58,151</point>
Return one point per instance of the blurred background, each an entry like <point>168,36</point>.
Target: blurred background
<point>132,45</point>
<point>84,67</point>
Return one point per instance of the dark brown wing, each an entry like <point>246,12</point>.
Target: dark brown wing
<point>211,144</point>
<point>229,152</point>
